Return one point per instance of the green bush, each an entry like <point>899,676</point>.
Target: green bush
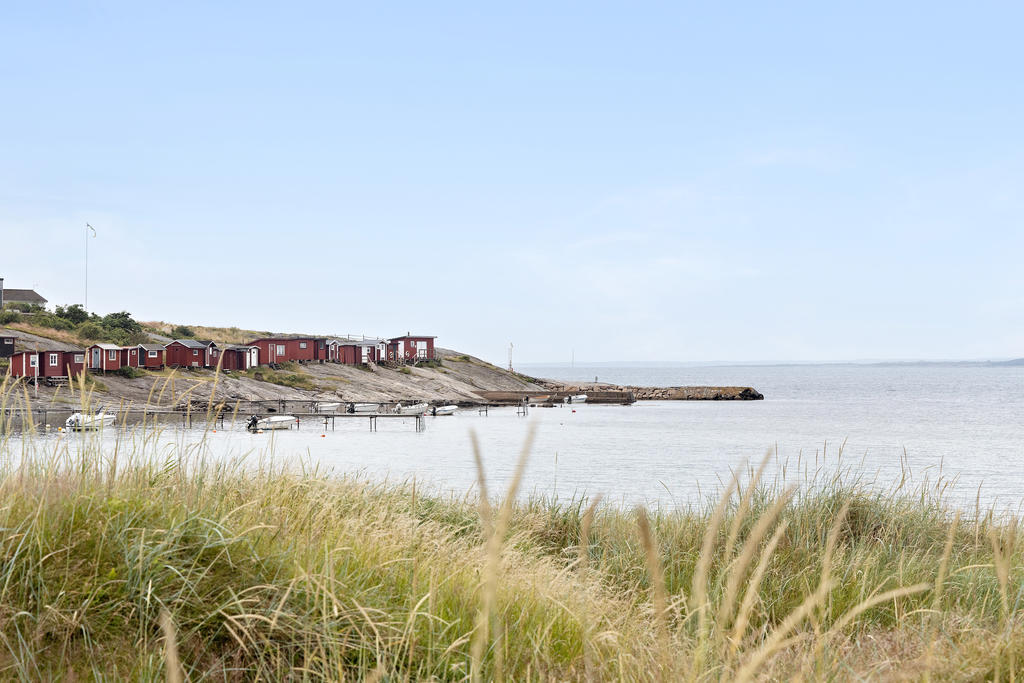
<point>7,317</point>
<point>54,322</point>
<point>129,372</point>
<point>89,331</point>
<point>74,314</point>
<point>182,332</point>
<point>405,371</point>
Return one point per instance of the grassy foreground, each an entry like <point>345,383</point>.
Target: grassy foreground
<point>145,562</point>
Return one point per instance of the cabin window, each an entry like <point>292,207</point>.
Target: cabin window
<point>195,352</point>
<point>154,354</point>
<point>79,357</point>
<point>280,349</point>
<point>112,355</point>
<point>302,345</point>
<point>8,341</point>
<point>53,360</point>
<point>32,361</point>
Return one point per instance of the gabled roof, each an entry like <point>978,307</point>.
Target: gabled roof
<point>23,296</point>
<point>414,336</point>
<point>152,347</point>
<point>189,343</point>
<point>107,347</point>
<point>239,347</point>
<point>364,342</point>
<point>289,337</point>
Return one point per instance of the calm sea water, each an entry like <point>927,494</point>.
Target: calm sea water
<point>967,422</point>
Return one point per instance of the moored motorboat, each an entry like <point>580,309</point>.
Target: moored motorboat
<point>411,409</point>
<point>444,410</point>
<point>83,421</point>
<point>577,398</point>
<point>319,407</point>
<point>363,408</point>
<point>259,424</point>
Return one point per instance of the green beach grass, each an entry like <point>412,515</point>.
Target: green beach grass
<point>147,561</point>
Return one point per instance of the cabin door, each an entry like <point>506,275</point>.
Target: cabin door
<point>96,357</point>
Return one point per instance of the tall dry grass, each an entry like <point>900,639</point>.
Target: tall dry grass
<point>132,555</point>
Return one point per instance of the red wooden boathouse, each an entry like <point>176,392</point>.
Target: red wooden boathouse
<point>283,349</point>
<point>48,363</point>
<point>410,348</point>
<point>151,356</point>
<point>105,357</point>
<point>189,353</point>
<point>240,357</point>
<point>360,352</point>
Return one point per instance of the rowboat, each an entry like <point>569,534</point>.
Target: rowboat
<point>578,398</point>
<point>82,421</point>
<point>259,424</point>
<point>444,410</point>
<point>411,409</point>
<point>363,408</point>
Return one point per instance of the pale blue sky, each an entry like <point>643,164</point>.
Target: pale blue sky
<point>633,181</point>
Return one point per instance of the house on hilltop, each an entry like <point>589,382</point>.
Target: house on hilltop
<point>20,296</point>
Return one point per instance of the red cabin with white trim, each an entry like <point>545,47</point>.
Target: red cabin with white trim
<point>103,357</point>
<point>151,356</point>
<point>131,357</point>
<point>24,364</point>
<point>284,349</point>
<point>189,353</point>
<point>360,352</point>
<point>240,357</point>
<point>48,363</point>
<point>410,348</point>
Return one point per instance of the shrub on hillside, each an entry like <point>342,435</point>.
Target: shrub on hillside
<point>182,332</point>
<point>89,331</point>
<point>7,317</point>
<point>54,322</point>
<point>129,372</point>
<point>74,314</point>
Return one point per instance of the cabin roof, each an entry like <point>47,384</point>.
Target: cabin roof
<point>289,337</point>
<point>107,347</point>
<point>189,343</point>
<point>152,347</point>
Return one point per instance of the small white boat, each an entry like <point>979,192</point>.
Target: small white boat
<point>325,407</point>
<point>259,424</point>
<point>364,407</point>
<point>82,421</point>
<point>578,398</point>
<point>411,409</point>
<point>444,410</point>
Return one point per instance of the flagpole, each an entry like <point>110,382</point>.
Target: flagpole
<point>88,227</point>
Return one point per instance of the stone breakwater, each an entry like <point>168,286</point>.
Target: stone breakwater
<point>696,393</point>
<point>660,393</point>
